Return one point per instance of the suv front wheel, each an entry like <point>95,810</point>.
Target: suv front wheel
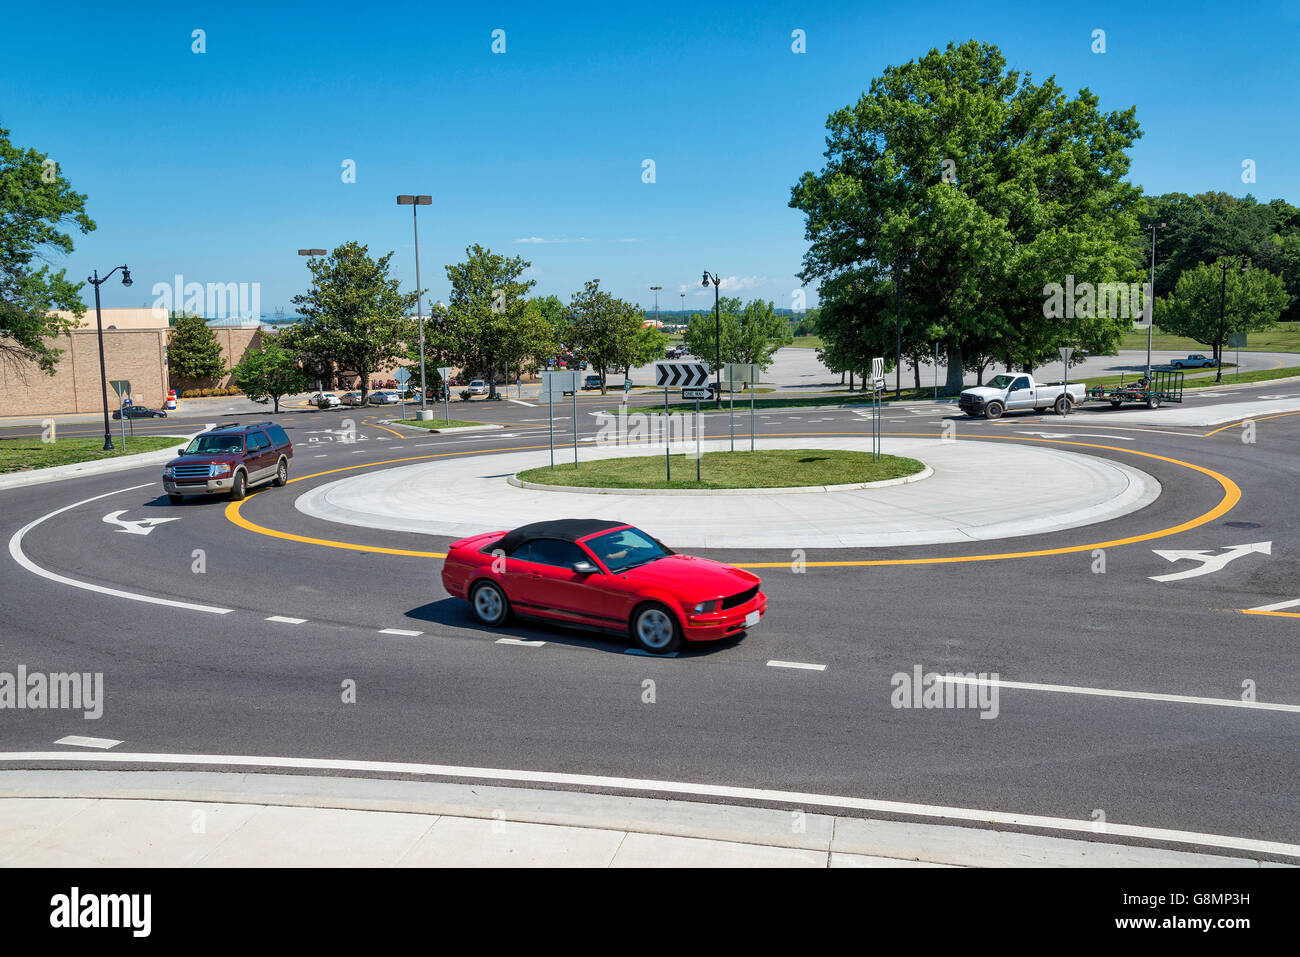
<point>238,488</point>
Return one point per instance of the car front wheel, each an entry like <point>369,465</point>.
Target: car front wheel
<point>490,605</point>
<point>654,629</point>
<point>238,488</point>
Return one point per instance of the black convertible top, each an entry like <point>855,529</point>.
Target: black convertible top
<point>564,529</point>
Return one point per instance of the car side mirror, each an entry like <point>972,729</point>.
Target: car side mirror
<point>180,451</point>
<point>585,568</point>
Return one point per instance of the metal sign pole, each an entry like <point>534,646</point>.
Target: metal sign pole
<point>697,440</point>
<point>550,418</point>
<point>751,416</point>
<point>731,385</point>
<point>668,433</point>
<point>575,421</point>
<point>121,411</point>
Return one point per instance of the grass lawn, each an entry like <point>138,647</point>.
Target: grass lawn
<point>807,342</point>
<point>437,422</point>
<point>1283,337</point>
<point>794,402</point>
<point>1204,378</point>
<point>19,455</point>
<point>769,468</point>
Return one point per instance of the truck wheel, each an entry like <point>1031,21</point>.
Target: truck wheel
<point>993,410</point>
<point>1153,402</point>
<point>238,487</point>
<point>1063,405</point>
<point>1116,403</point>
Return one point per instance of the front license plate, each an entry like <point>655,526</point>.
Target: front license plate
<point>752,619</point>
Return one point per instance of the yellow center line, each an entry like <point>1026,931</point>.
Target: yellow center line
<point>1275,614</point>
<point>1231,495</point>
<point>1249,419</point>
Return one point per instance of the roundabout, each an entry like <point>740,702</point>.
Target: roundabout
<point>965,496</point>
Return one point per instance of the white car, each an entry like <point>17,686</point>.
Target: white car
<point>477,387</point>
<point>329,398</point>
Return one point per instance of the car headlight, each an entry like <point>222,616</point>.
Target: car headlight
<point>221,470</point>
<point>167,471</point>
<point>704,607</point>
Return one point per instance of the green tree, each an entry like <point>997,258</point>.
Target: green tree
<point>269,372</point>
<point>354,315</point>
<point>704,329</point>
<point>604,330</point>
<point>1251,300</point>
<point>974,188</point>
<point>484,328</point>
<point>193,352</point>
<point>37,207</point>
<point>759,333</point>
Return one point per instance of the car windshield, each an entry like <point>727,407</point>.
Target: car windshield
<point>1000,381</point>
<point>214,443</point>
<point>625,548</point>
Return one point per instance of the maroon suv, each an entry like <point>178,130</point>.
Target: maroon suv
<point>228,459</point>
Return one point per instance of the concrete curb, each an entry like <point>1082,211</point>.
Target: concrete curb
<point>60,473</point>
<point>542,827</point>
<point>925,473</point>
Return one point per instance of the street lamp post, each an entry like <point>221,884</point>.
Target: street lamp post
<point>96,280</point>
<point>1151,295</point>
<point>717,333</point>
<point>414,202</point>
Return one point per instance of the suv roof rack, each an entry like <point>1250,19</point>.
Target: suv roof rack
<point>225,425</point>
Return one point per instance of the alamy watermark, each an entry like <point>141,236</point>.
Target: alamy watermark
<point>618,429</point>
<point>57,690</point>
<point>933,691</point>
<point>214,300</point>
<point>1086,300</point>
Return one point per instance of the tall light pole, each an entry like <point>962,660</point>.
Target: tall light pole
<point>1151,296</point>
<point>97,281</point>
<point>717,332</point>
<point>414,202</point>
<point>655,290</point>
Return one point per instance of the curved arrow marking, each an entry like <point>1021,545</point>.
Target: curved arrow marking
<point>1209,563</point>
<point>140,527</point>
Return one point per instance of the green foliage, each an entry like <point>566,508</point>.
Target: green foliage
<point>193,352</point>
<point>1248,301</point>
<point>751,333</point>
<point>974,187</point>
<point>486,328</point>
<point>269,372</point>
<point>605,330</point>
<point>354,316</point>
<point>36,206</point>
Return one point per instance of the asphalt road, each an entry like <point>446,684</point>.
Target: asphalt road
<point>182,680</point>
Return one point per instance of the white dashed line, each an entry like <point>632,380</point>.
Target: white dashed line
<point>795,664</point>
<point>287,621</point>
<point>400,631</point>
<point>520,641</point>
<point>1109,693</point>
<point>77,741</point>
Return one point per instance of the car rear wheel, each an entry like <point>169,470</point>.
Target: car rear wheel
<point>993,410</point>
<point>490,605</point>
<point>1064,404</point>
<point>238,488</point>
<point>282,474</point>
<point>654,629</point>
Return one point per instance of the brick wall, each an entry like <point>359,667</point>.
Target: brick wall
<point>138,355</point>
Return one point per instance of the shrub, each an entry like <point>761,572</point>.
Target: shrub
<point>464,395</point>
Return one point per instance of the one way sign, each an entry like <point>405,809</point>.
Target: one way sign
<point>684,374</point>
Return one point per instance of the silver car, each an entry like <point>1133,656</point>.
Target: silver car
<point>477,387</point>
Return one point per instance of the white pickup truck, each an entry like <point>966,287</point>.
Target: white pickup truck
<point>1015,392</point>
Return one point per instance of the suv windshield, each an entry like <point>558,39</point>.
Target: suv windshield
<point>215,443</point>
<point>625,548</point>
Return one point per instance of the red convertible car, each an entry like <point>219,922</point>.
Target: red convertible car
<point>606,575</point>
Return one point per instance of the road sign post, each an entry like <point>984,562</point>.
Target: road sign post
<point>123,389</point>
<point>444,373</point>
<point>877,391</point>
<point>558,383</point>
<point>402,377</point>
<point>686,376</point>
<point>698,430</point>
<point>746,374</point>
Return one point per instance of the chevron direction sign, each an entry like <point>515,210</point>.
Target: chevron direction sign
<point>684,374</point>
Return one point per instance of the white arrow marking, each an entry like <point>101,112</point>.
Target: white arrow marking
<point>1080,435</point>
<point>141,527</point>
<point>1209,563</point>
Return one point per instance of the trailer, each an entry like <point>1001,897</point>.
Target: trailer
<point>1165,386</point>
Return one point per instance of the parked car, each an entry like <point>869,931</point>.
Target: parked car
<point>230,458</point>
<point>1194,361</point>
<point>1018,392</point>
<point>385,397</point>
<point>352,398</point>
<point>139,412</point>
<point>329,398</point>
<point>605,575</point>
<point>593,382</point>
<point>477,387</point>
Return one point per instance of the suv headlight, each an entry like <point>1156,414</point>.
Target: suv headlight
<point>705,607</point>
<point>221,469</point>
<point>167,471</point>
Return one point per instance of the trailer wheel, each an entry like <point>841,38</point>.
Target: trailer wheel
<point>1153,402</point>
<point>1116,403</point>
<point>1064,404</point>
<point>993,410</point>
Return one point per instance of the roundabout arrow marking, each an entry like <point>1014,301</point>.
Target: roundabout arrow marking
<point>1209,563</point>
<point>140,527</point>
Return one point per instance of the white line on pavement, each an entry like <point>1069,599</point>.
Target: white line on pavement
<point>774,663</point>
<point>16,552</point>
<point>783,798</point>
<point>520,641</point>
<point>400,631</point>
<point>78,741</point>
<point>531,405</point>
<point>1278,607</point>
<point>287,621</point>
<point>1110,693</point>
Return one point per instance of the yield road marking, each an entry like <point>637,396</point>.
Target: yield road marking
<point>1110,693</point>
<point>78,741</point>
<point>141,526</point>
<point>17,554</point>
<point>400,631</point>
<point>769,795</point>
<point>1080,435</point>
<point>774,663</point>
<point>520,641</point>
<point>287,621</point>
<point>1209,563</point>
<point>1276,609</point>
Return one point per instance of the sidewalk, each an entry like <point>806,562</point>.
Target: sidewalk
<point>219,819</point>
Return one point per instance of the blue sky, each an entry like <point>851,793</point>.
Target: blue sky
<point>220,165</point>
